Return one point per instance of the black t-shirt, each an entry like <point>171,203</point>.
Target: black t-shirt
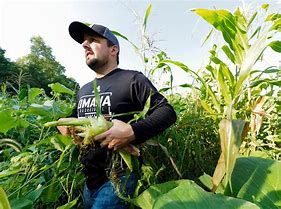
<point>121,91</point>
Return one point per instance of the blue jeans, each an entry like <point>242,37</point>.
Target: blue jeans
<point>105,197</point>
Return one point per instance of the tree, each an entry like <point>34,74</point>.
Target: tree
<point>43,68</point>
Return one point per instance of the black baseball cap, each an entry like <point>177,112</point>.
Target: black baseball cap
<point>77,30</point>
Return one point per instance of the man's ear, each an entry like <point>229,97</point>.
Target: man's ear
<point>114,50</point>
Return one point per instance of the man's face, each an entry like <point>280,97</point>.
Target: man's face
<point>97,51</point>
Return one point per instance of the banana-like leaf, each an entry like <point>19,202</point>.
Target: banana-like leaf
<point>257,180</point>
<point>7,121</point>
<point>185,194</point>
<point>33,93</point>
<point>59,88</point>
<point>231,132</point>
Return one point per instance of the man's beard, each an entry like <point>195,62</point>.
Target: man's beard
<point>97,65</point>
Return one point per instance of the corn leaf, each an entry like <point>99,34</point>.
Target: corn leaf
<point>4,202</point>
<point>147,13</point>
<point>224,89</point>
<point>225,22</point>
<point>207,107</point>
<point>252,18</point>
<point>273,17</point>
<point>276,25</point>
<point>251,57</point>
<point>69,205</point>
<point>256,31</point>
<point>208,89</point>
<point>127,158</point>
<point>219,173</point>
<point>97,98</point>
<point>228,53</point>
<point>207,37</point>
<point>276,46</point>
<point>11,143</point>
<point>230,136</point>
<point>125,38</point>
<point>265,6</point>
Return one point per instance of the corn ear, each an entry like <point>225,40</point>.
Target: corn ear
<point>71,122</point>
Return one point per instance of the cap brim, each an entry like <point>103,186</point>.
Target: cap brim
<point>77,30</point>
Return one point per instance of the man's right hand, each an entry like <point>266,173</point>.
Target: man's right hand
<point>65,130</point>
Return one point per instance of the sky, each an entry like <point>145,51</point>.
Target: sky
<point>173,27</point>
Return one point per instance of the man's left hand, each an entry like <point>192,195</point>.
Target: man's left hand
<point>119,135</point>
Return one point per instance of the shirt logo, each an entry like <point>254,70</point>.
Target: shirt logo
<point>87,105</point>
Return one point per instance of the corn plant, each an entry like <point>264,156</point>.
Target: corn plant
<point>150,55</point>
<point>226,85</point>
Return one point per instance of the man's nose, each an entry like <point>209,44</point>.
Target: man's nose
<point>85,44</point>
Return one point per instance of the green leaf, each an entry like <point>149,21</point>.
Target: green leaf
<point>276,46</point>
<point>33,93</point>
<point>125,38</point>
<point>10,171</point>
<point>273,17</point>
<point>256,31</point>
<point>224,88</point>
<point>127,158</point>
<point>276,25</point>
<point>21,203</point>
<point>22,94</point>
<point>228,53</point>
<point>59,88</point>
<point>42,110</point>
<point>97,98</point>
<point>7,121</point>
<point>252,18</point>
<point>207,37</point>
<point>265,6</point>
<point>188,195</point>
<point>148,10</point>
<point>69,205</point>
<point>207,107</point>
<point>206,180</point>
<point>208,89</point>
<point>219,173</point>
<point>11,143</point>
<point>35,194</point>
<point>230,136</point>
<point>4,202</point>
<point>257,180</point>
<point>251,58</point>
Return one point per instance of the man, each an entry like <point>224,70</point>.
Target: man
<point>121,91</point>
